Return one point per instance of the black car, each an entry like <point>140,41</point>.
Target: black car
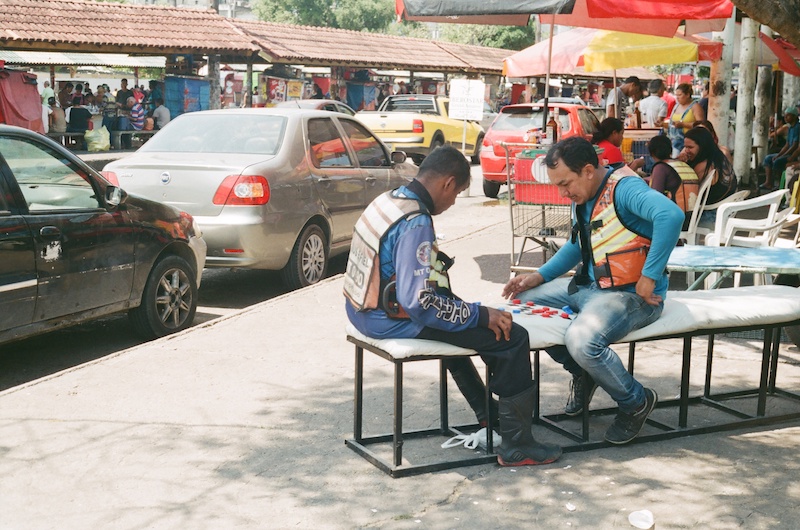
<point>74,247</point>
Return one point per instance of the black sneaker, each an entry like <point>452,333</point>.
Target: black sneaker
<point>626,426</point>
<point>577,387</point>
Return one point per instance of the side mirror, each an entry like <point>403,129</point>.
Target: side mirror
<point>398,157</point>
<point>115,196</point>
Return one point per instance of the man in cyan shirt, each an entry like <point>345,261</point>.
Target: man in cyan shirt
<point>621,285</point>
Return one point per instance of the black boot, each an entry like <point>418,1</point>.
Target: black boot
<point>519,447</point>
<point>471,386</point>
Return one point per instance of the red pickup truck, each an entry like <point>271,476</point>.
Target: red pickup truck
<point>514,124</point>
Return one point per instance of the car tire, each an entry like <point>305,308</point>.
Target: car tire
<point>491,188</point>
<point>476,158</point>
<point>169,299</point>
<point>309,260</point>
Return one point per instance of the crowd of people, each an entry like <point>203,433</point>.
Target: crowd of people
<point>74,107</point>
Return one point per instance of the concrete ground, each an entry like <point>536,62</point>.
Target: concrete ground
<point>240,423</point>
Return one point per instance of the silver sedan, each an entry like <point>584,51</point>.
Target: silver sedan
<point>275,189</point>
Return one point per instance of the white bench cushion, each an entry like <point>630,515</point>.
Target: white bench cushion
<point>684,312</point>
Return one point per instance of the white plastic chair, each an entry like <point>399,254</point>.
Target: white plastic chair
<point>734,231</point>
<point>733,209</point>
<point>690,234</point>
<point>734,197</point>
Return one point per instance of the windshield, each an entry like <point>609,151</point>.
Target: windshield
<point>220,133</point>
<point>523,119</point>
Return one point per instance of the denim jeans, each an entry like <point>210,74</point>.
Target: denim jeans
<point>602,318</point>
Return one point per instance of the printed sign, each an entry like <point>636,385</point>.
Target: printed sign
<point>466,99</point>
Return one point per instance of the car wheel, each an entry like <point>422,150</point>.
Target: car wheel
<point>436,144</point>
<point>491,188</point>
<point>309,260</point>
<point>476,158</point>
<point>169,300</point>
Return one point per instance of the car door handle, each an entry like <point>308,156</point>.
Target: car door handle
<point>371,179</point>
<point>50,232</point>
<point>323,178</point>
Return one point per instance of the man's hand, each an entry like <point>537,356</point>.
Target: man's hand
<point>500,322</point>
<point>520,283</point>
<point>644,288</point>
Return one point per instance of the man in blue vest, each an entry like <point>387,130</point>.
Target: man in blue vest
<point>621,284</point>
<point>397,286</point>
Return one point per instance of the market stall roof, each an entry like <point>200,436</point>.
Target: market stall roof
<point>81,59</point>
<point>286,43</point>
<point>95,27</point>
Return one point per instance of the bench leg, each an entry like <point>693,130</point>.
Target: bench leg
<point>444,416</point>
<point>358,398</point>
<point>536,396</point>
<point>397,436</point>
<point>709,363</point>
<point>773,367</point>
<point>489,414</point>
<point>683,406</point>
<point>766,354</point>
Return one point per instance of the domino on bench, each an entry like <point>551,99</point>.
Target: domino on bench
<point>689,314</point>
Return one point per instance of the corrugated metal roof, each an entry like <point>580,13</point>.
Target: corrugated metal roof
<point>81,59</point>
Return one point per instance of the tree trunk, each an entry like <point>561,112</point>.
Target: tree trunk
<point>783,16</point>
<point>763,104</point>
<point>744,106</point>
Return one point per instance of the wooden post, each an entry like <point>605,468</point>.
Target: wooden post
<point>249,81</point>
<point>213,80</point>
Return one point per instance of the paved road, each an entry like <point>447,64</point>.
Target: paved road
<point>223,291</point>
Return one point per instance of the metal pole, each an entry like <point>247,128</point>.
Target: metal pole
<point>547,77</point>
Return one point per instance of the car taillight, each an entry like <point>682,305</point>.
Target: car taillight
<point>242,190</point>
<point>418,126</point>
<point>111,177</point>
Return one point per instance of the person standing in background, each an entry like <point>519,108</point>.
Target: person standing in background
<point>47,93</point>
<point>161,114</point>
<point>65,96</point>
<point>617,100</point>
<point>670,100</point>
<point>653,108</point>
<point>58,119</point>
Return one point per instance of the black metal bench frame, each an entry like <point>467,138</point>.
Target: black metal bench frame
<point>359,443</point>
<point>579,440</point>
<point>575,439</point>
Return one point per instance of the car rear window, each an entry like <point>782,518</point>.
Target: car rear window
<point>410,105</point>
<point>523,119</point>
<point>220,133</point>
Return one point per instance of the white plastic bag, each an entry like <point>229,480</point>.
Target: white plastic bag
<point>474,440</point>
<point>98,140</point>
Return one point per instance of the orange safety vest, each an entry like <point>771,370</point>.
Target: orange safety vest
<point>617,253</point>
<point>686,194</point>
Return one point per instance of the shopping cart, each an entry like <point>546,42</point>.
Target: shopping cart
<point>539,214</point>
